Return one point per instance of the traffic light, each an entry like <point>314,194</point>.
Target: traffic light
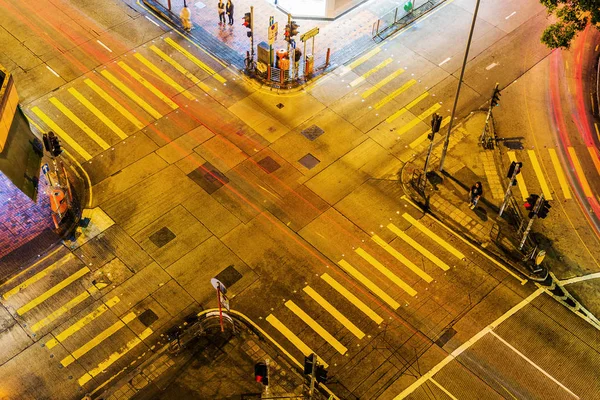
<point>544,209</point>
<point>293,28</point>
<point>511,170</point>
<point>321,374</point>
<point>496,97</point>
<point>52,144</point>
<point>46,142</point>
<point>261,373</point>
<point>436,122</point>
<point>530,204</point>
<point>309,363</point>
<point>286,33</point>
<point>248,23</point>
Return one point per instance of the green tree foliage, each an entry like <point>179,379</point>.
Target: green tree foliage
<point>572,17</point>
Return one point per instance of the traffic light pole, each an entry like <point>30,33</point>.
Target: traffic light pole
<point>288,43</point>
<point>313,376</point>
<point>487,118</point>
<point>436,120</point>
<point>252,35</point>
<point>538,205</point>
<point>509,189</point>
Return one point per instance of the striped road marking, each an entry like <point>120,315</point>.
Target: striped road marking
<point>113,79</point>
<point>101,116</point>
<point>594,156</point>
<point>388,274</point>
<point>407,107</point>
<point>289,335</point>
<point>584,183</point>
<point>166,99</point>
<point>560,173</point>
<point>398,256</point>
<point>114,103</point>
<point>63,135</point>
<point>364,76</point>
<point>418,247</point>
<point>157,71</point>
<point>521,182</point>
<point>180,68</point>
<point>420,118</point>
<point>63,309</point>
<point>395,94</point>
<point>539,174</point>
<point>82,125</point>
<point>382,83</point>
<point>352,298</point>
<point>369,284</point>
<point>195,60</point>
<point>451,249</point>
<point>361,60</point>
<point>423,136</point>
<point>334,312</point>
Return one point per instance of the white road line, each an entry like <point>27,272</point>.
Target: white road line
<point>513,13</point>
<point>443,389</point>
<point>580,278</point>
<point>445,61</point>
<point>492,65</point>
<point>53,71</point>
<point>103,45</point>
<point>151,20</point>
<point>533,364</point>
<point>467,344</point>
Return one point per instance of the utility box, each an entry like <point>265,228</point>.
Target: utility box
<point>262,51</point>
<point>309,64</point>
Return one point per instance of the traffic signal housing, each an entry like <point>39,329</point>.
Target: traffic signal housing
<point>248,23</point>
<point>530,204</point>
<point>286,33</point>
<point>309,363</point>
<point>52,144</point>
<point>436,123</point>
<point>544,209</point>
<point>321,374</point>
<point>496,97</point>
<point>293,28</point>
<point>261,373</point>
<point>514,165</point>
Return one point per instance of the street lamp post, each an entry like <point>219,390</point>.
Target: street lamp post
<point>462,73</point>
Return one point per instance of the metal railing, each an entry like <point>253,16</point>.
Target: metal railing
<point>391,19</point>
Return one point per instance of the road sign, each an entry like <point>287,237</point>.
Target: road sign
<point>45,169</point>
<point>271,20</point>
<point>218,285</point>
<point>313,32</point>
<point>225,302</point>
<point>273,33</point>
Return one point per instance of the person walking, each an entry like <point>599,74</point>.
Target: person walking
<point>221,8</point>
<point>474,194</point>
<point>186,17</point>
<point>229,10</point>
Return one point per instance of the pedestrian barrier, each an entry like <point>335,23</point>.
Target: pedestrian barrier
<point>401,16</point>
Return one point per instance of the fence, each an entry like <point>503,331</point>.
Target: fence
<point>401,16</point>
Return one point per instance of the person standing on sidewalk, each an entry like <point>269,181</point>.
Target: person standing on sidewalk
<point>474,194</point>
<point>221,8</point>
<point>186,17</point>
<point>229,9</point>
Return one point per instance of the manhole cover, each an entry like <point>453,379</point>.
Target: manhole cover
<point>269,165</point>
<point>280,106</point>
<point>147,318</point>
<point>309,161</point>
<point>229,276</point>
<point>312,132</point>
<point>162,237</point>
<point>208,178</point>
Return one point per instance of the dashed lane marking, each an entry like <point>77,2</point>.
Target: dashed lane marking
<point>115,104</point>
<point>61,133</point>
<point>398,256</point>
<point>386,272</point>
<point>434,259</point>
<point>539,174</point>
<point>433,236</point>
<point>369,284</point>
<point>123,88</point>
<point>352,298</point>
<point>560,173</point>
<point>101,116</point>
<point>520,181</point>
<point>335,313</point>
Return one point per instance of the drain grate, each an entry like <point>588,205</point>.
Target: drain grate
<point>147,318</point>
<point>312,132</point>
<point>269,165</point>
<point>229,276</point>
<point>309,161</point>
<point>162,237</point>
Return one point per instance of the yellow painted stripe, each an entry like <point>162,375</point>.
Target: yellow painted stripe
<point>539,174</point>
<point>423,136</point>
<point>382,83</point>
<point>594,157</point>
<point>417,224</point>
<point>369,284</point>
<point>389,274</point>
<point>395,94</point>
<point>420,118</point>
<point>64,335</point>
<point>289,335</point>
<point>58,263</point>
<point>155,114</point>
<point>53,290</point>
<point>195,60</point>
<point>364,58</point>
<point>520,181</point>
<point>315,326</point>
<point>61,133</point>
<point>370,72</point>
<point>582,179</point>
<point>148,85</point>
<point>82,125</point>
<point>404,109</point>
<point>114,357</point>
<point>180,68</point>
<point>418,247</point>
<point>63,310</point>
<point>163,76</point>
<point>597,129</point>
<point>560,173</point>
<point>114,103</point>
<point>352,299</point>
<point>99,338</point>
<point>334,312</point>
<point>101,116</point>
<point>398,256</point>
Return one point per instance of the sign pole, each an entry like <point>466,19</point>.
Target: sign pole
<point>220,308</point>
<point>271,23</point>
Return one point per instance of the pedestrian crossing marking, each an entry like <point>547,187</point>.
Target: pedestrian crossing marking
<point>166,99</point>
<point>352,298</point>
<point>334,312</point>
<point>398,256</point>
<point>61,133</point>
<point>99,338</point>
<point>388,274</point>
<point>560,174</point>
<point>64,335</point>
<point>157,71</point>
<point>195,60</point>
<point>289,335</point>
<point>101,116</point>
<point>364,58</point>
<point>369,284</point>
<point>63,309</point>
<point>539,174</point>
<point>115,104</point>
<point>424,135</point>
<point>405,109</point>
<point>315,326</point>
<point>418,247</point>
<point>114,357</point>
<point>520,181</point>
<point>395,94</point>
<point>420,118</point>
<point>58,263</point>
<point>82,125</point>
<point>149,109</point>
<point>382,83</point>
<point>417,224</point>
<point>582,179</point>
<point>594,156</point>
<point>364,76</point>
<point>53,290</point>
<point>180,68</point>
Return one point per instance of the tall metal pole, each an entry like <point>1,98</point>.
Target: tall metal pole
<point>251,35</point>
<point>313,376</point>
<point>462,73</point>
<point>289,41</point>
<point>509,188</point>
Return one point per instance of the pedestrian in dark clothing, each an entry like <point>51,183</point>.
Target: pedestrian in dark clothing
<point>221,8</point>
<point>474,194</point>
<point>229,10</point>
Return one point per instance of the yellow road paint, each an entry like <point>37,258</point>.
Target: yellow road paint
<point>164,77</point>
<point>560,174</point>
<point>82,125</point>
<point>334,312</point>
<point>99,338</point>
<point>389,274</point>
<point>57,264</point>
<point>289,335</point>
<point>420,118</point>
<point>594,156</point>
<point>114,103</point>
<point>195,60</point>
<point>61,133</point>
<point>364,76</point>
<point>148,85</point>
<point>352,299</point>
<point>52,291</point>
<point>539,174</point>
<point>418,247</point>
<point>395,94</point>
<point>101,116</point>
<point>64,335</point>
<point>520,181</point>
<point>443,389</point>
<point>114,357</point>
<point>63,309</point>
<point>405,109</point>
<point>398,256</point>
<point>364,58</point>
<point>142,103</point>
<point>582,179</point>
<point>180,68</point>
<point>423,136</point>
<point>451,249</point>
<point>597,130</point>
<point>369,284</point>
<point>382,83</point>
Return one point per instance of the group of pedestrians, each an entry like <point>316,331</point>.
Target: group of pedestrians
<point>223,8</point>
